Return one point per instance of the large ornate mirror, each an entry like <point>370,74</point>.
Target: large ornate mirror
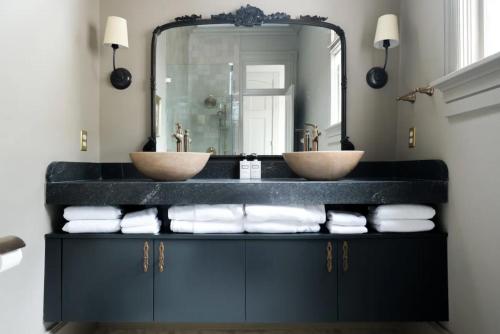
<point>246,82</point>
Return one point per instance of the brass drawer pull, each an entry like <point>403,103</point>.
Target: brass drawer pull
<point>329,256</point>
<point>146,257</point>
<point>161,261</point>
<point>345,256</point>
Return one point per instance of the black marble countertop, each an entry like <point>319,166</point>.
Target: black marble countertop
<point>371,183</point>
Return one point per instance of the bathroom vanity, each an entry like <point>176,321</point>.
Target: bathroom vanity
<point>246,278</point>
<point>251,82</point>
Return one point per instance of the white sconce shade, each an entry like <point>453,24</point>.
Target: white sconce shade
<point>116,31</point>
<point>387,29</point>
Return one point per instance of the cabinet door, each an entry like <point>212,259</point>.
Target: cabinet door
<point>392,280</point>
<point>105,280</point>
<point>201,281</point>
<point>289,281</point>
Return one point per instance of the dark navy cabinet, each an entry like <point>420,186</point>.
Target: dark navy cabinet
<point>105,280</point>
<point>394,279</point>
<point>199,281</point>
<point>291,281</point>
<point>316,278</point>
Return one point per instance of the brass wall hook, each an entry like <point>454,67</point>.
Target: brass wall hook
<point>410,97</point>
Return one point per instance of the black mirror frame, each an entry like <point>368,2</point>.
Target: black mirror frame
<point>250,16</point>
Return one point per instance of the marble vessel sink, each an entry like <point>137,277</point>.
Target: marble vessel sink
<point>323,165</point>
<point>169,166</point>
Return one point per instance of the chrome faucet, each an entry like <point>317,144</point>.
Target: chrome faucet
<point>179,137</point>
<point>315,136</point>
<point>187,141</point>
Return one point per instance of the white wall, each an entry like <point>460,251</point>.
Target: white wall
<point>469,145</point>
<point>125,115</point>
<point>48,92</point>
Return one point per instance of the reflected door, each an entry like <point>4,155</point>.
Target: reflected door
<point>258,124</point>
<point>264,112</point>
<point>265,124</point>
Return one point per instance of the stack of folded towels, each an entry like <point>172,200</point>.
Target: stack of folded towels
<point>92,219</point>
<point>203,218</point>
<point>144,221</point>
<point>284,218</point>
<point>402,218</point>
<point>343,222</point>
<point>238,218</point>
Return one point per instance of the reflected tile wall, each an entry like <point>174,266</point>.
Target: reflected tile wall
<point>209,126</point>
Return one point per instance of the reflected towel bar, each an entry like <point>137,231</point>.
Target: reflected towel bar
<point>10,243</point>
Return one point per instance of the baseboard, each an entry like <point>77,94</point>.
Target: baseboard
<point>425,328</point>
<point>338,328</point>
<point>72,328</point>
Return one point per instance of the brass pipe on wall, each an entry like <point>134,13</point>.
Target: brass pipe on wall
<point>428,90</point>
<point>412,96</point>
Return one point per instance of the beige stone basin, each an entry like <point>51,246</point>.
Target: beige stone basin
<point>323,165</point>
<point>169,166</point>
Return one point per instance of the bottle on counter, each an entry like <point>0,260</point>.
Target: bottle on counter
<point>244,168</point>
<point>255,167</point>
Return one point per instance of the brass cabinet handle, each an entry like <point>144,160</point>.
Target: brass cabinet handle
<point>161,260</point>
<point>146,257</point>
<point>345,256</point>
<point>329,256</point>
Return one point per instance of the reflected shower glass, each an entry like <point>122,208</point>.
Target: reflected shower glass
<point>199,97</point>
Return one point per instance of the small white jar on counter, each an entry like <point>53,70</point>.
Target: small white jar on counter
<point>255,168</point>
<point>245,173</point>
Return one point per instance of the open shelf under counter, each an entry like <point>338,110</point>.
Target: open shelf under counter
<point>249,236</point>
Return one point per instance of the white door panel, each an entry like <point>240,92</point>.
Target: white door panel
<point>257,124</point>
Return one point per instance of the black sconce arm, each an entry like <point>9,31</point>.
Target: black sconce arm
<point>120,78</point>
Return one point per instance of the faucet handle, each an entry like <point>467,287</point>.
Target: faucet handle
<point>178,127</point>
<point>315,130</point>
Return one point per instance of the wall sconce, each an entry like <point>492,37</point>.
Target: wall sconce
<point>386,37</point>
<point>116,35</point>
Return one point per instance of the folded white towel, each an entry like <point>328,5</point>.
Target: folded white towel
<point>153,228</point>
<point>92,226</point>
<point>403,211</point>
<point>182,226</point>
<point>205,212</point>
<point>91,212</point>
<point>345,218</point>
<point>309,214</point>
<point>343,229</point>
<point>140,218</point>
<point>280,227</point>
<point>402,225</point>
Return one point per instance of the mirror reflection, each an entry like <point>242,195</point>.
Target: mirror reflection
<point>266,90</point>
